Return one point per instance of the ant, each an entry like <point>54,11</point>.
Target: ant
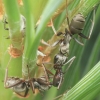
<point>22,86</point>
<point>60,60</point>
<point>59,74</point>
<point>75,27</point>
<point>58,77</point>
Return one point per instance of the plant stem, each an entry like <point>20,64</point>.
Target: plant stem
<point>13,17</point>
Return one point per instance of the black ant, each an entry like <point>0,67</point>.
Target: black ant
<point>75,27</point>
<point>58,77</point>
<point>59,74</point>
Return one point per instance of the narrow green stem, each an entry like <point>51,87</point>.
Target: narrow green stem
<point>83,7</point>
<point>13,17</point>
<point>44,19</point>
<point>27,60</point>
<point>12,11</point>
<point>30,32</point>
<point>32,40</point>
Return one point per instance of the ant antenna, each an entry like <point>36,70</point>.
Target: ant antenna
<point>9,62</point>
<point>92,24</point>
<point>45,71</point>
<point>70,63</point>
<point>6,73</point>
<point>53,27</point>
<point>30,81</point>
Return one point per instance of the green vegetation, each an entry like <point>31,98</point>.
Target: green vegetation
<point>82,81</point>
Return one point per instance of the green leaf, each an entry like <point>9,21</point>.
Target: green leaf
<point>87,84</point>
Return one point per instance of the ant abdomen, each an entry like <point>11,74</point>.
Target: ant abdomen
<point>57,78</point>
<point>77,24</point>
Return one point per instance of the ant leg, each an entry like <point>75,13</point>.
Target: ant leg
<point>32,85</point>
<point>57,98</point>
<point>49,72</point>
<point>68,24</point>
<point>91,29</point>
<point>46,75</point>
<point>68,21</point>
<point>80,39</point>
<point>5,80</point>
<point>77,41</point>
<point>53,28</point>
<point>44,42</point>
<point>40,53</point>
<point>92,24</point>
<point>60,82</point>
<point>26,92</point>
<point>70,61</point>
<point>83,36</point>
<point>80,34</point>
<point>55,43</point>
<point>22,96</point>
<point>71,33</point>
<point>30,81</point>
<point>48,63</point>
<point>6,73</point>
<point>6,76</point>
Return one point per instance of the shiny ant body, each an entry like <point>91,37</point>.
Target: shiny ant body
<point>58,77</point>
<point>75,27</point>
<point>21,86</point>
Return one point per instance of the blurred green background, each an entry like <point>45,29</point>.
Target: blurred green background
<point>87,56</point>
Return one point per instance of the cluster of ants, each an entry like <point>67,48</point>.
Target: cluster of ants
<point>22,86</point>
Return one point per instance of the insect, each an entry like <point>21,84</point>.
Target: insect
<point>75,27</point>
<point>41,84</point>
<point>22,86</point>
<point>19,86</point>
<point>59,62</point>
<point>61,59</point>
<point>58,77</point>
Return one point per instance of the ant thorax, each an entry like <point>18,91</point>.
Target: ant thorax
<point>64,44</point>
<point>41,87</point>
<point>59,60</point>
